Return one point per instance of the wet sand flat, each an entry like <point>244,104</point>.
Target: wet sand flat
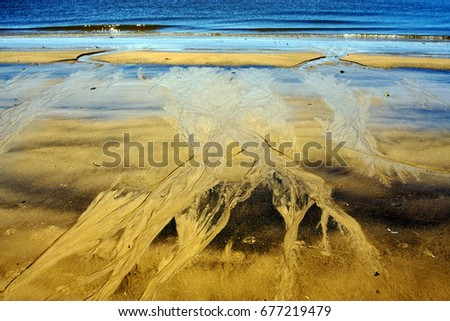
<point>54,171</point>
<point>53,174</point>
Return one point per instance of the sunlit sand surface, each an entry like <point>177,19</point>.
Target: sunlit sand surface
<point>376,229</point>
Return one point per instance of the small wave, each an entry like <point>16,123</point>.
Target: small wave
<point>88,28</point>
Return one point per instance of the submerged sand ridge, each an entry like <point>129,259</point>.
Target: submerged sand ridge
<point>131,205</point>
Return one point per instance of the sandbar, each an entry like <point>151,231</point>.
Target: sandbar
<point>279,59</point>
<point>42,57</point>
<point>285,59</point>
<point>392,61</point>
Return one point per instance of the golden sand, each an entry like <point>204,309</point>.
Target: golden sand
<point>211,58</point>
<point>390,61</point>
<point>53,175</point>
<point>41,57</point>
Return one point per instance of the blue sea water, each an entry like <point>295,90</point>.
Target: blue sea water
<point>303,17</point>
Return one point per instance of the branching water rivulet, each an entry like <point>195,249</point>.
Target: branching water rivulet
<point>220,106</point>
